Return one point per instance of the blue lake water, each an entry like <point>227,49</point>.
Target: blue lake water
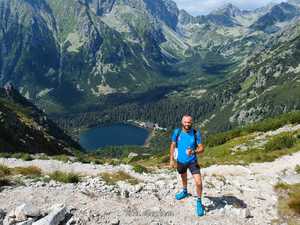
<point>113,134</point>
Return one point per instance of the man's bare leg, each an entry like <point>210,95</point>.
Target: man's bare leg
<point>184,180</point>
<point>198,184</point>
<point>183,193</point>
<point>200,211</point>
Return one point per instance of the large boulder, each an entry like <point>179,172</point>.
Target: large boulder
<point>56,215</point>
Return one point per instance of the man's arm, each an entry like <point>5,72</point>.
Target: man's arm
<point>200,146</point>
<point>200,149</point>
<point>172,149</point>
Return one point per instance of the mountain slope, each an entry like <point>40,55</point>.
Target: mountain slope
<point>268,84</point>
<point>24,128</point>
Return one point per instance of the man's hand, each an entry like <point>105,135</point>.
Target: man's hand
<point>172,163</point>
<point>189,152</point>
<point>200,149</point>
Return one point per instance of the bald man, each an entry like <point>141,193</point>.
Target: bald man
<point>189,144</point>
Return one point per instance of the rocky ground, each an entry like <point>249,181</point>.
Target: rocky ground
<point>232,195</point>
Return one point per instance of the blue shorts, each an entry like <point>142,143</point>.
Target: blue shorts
<point>192,166</point>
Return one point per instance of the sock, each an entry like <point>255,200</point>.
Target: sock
<point>184,189</point>
<point>199,199</point>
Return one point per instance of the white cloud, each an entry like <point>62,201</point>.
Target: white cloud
<point>197,7</point>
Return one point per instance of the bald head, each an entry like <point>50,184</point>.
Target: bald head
<point>186,122</point>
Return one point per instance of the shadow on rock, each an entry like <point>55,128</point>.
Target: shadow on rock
<point>221,202</point>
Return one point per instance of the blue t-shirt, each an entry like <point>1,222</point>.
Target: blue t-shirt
<point>184,141</point>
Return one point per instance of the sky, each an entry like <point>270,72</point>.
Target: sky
<point>203,7</point>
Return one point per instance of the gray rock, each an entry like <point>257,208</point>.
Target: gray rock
<point>56,215</point>
<point>291,179</point>
<point>26,210</point>
<point>236,212</point>
<point>2,216</point>
<point>245,213</point>
<point>71,221</point>
<point>20,214</point>
<point>125,193</point>
<point>27,222</point>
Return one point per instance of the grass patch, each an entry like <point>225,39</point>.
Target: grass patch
<point>139,168</point>
<point>281,141</point>
<point>63,158</point>
<point>289,202</point>
<point>262,126</point>
<point>5,171</point>
<point>113,178</point>
<point>65,177</point>
<point>43,157</point>
<point>281,186</point>
<point>223,154</point>
<point>31,171</point>
<point>297,169</point>
<point>87,158</point>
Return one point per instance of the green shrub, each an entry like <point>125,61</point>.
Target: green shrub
<point>5,155</point>
<point>26,157</point>
<point>279,142</point>
<point>222,138</point>
<point>65,177</point>
<point>22,155</point>
<point>139,168</point>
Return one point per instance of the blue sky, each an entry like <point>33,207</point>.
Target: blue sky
<point>199,7</point>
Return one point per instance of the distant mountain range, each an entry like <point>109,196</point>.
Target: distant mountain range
<point>72,56</point>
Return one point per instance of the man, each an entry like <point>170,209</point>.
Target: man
<point>184,139</point>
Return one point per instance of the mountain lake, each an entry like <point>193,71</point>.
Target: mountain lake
<point>113,135</point>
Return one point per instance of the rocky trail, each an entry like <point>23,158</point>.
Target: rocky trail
<point>232,195</point>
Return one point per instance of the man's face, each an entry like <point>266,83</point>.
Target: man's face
<point>187,123</point>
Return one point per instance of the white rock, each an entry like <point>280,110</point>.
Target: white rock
<point>132,155</point>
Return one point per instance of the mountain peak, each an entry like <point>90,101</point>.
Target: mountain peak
<point>229,10</point>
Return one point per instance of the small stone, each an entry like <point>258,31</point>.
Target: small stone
<point>115,222</point>
<point>245,213</point>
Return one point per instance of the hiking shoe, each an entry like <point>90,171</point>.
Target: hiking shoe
<point>200,211</point>
<point>181,195</point>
